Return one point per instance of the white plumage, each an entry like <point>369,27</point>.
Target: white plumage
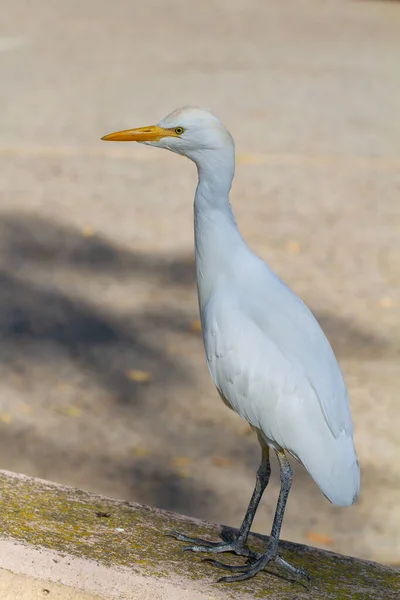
<point>266,353</point>
<point>270,360</point>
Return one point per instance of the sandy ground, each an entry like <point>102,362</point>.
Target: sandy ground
<point>103,383</point>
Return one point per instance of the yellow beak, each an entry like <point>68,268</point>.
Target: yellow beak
<point>152,133</point>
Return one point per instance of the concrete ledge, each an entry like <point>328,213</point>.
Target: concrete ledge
<point>64,544</point>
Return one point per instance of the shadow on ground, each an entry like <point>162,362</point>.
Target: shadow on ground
<point>40,320</point>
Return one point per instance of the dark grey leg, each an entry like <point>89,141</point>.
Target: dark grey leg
<point>271,553</point>
<point>237,545</point>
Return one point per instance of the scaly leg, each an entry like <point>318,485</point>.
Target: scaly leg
<point>238,544</point>
<point>271,553</point>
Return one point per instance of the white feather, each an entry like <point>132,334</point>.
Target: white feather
<point>266,353</point>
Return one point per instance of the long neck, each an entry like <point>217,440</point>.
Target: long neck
<point>217,237</point>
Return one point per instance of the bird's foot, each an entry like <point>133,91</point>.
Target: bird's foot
<point>251,568</point>
<point>235,544</point>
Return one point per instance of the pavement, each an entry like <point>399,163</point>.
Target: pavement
<point>103,383</point>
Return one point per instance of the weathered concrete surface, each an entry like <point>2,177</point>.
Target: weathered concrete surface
<point>120,550</point>
<point>23,587</point>
<point>96,272</point>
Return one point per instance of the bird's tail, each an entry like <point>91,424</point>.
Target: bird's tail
<point>335,469</point>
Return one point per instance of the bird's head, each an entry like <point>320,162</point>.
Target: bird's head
<point>191,131</point>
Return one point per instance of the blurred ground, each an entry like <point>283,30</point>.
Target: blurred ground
<point>97,278</point>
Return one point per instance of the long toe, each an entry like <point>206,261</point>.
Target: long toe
<point>221,565</point>
<point>293,570</point>
<point>248,571</point>
<point>251,569</point>
<point>192,540</point>
<point>199,545</point>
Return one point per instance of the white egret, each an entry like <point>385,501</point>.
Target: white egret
<point>266,353</point>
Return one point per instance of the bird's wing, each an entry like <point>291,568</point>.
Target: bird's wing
<point>246,367</point>
<point>271,392</point>
<point>280,344</point>
<point>287,321</point>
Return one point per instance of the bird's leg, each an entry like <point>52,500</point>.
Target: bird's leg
<point>238,543</point>
<point>271,553</point>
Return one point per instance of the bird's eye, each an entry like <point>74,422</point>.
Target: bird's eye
<point>179,130</point>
